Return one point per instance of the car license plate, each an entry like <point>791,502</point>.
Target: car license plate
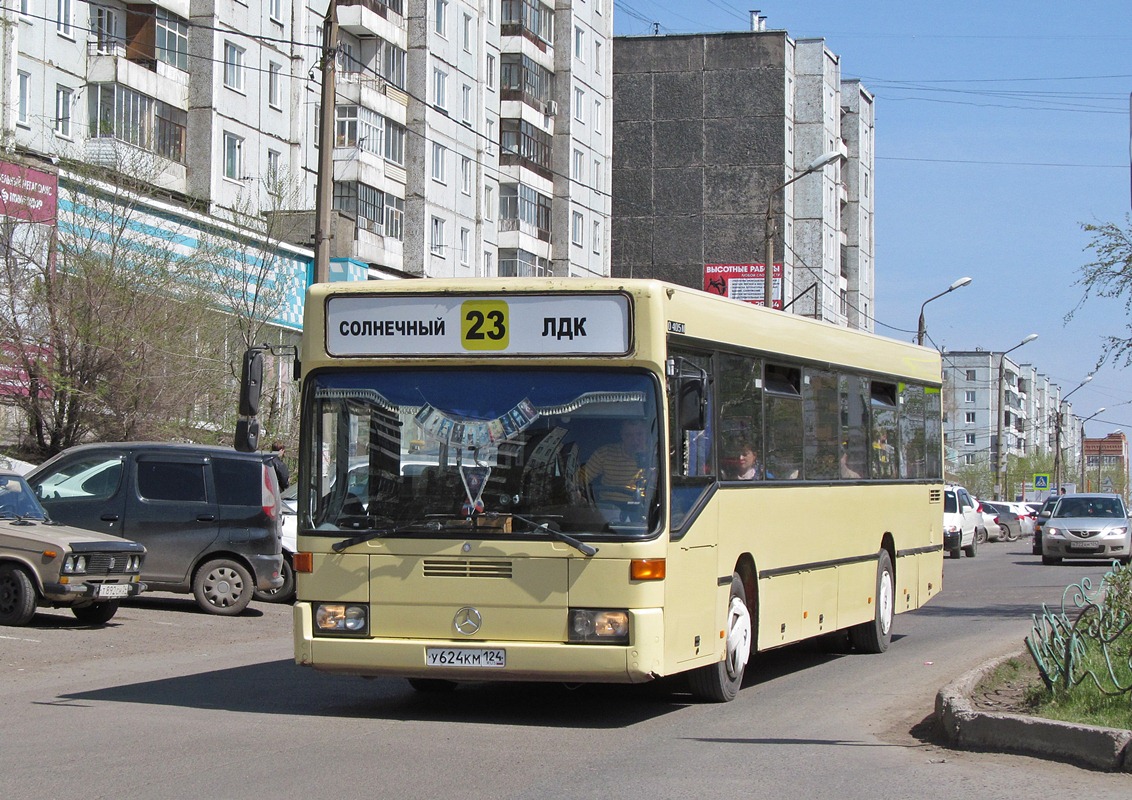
<point>490,658</point>
<point>112,591</point>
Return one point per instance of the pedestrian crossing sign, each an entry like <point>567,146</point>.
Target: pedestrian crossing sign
<point>1041,481</point>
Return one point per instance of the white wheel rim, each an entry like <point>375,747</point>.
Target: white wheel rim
<point>885,602</point>
<point>738,636</point>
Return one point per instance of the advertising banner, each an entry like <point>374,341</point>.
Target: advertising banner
<point>742,282</point>
<point>27,194</point>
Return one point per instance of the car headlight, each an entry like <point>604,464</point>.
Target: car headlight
<point>345,618</point>
<point>133,564</point>
<point>74,565</point>
<point>1116,530</point>
<point>598,626</point>
<point>1051,531</point>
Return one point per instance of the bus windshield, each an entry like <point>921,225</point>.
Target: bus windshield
<point>487,452</point>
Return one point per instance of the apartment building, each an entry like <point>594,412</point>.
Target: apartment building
<point>973,382</point>
<point>714,135</point>
<point>471,137</point>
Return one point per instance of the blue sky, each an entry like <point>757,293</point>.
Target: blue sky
<point>1001,127</point>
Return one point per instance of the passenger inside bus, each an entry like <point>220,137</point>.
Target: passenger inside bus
<point>747,466</point>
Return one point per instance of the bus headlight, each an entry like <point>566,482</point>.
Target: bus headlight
<point>341,618</point>
<point>599,626</point>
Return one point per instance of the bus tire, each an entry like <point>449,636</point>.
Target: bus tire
<point>720,682</point>
<point>875,636</point>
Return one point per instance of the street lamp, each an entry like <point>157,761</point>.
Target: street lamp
<point>1057,434</point>
<point>1002,414</point>
<point>771,228</point>
<point>921,331</point>
<point>1086,419</point>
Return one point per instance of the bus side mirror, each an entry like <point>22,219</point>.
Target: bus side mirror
<point>691,405</point>
<point>251,382</point>
<point>247,436</point>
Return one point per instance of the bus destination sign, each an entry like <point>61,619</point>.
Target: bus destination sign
<point>402,325</point>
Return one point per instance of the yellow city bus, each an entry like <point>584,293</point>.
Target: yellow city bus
<point>602,481</point>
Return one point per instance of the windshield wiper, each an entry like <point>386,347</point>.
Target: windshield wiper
<point>381,533</point>
<point>544,527</point>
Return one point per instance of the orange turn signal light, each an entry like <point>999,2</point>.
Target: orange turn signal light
<point>303,562</point>
<point>647,569</point>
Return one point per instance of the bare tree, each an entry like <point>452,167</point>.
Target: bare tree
<point>255,280</point>
<point>1110,276</point>
<point>109,318</point>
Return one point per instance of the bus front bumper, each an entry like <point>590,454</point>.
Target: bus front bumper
<point>638,662</point>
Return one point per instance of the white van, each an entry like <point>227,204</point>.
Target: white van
<point>961,518</point>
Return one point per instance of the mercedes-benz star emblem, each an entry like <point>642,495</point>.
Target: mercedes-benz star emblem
<point>467,620</point>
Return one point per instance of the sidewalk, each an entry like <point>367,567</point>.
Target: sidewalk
<point>1108,749</point>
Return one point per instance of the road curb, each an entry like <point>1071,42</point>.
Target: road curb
<point>1092,746</point>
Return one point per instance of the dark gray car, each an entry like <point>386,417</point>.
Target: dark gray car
<point>209,517</point>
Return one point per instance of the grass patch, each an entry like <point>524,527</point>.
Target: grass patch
<point>1085,703</point>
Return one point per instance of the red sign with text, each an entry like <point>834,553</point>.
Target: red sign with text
<point>742,282</point>
<point>27,194</point>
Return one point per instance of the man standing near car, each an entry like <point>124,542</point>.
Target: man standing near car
<point>281,470</point>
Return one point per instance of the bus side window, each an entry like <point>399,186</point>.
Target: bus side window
<point>691,455</point>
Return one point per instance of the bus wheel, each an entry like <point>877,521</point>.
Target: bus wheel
<point>432,685</point>
<point>874,636</point>
<point>720,682</point>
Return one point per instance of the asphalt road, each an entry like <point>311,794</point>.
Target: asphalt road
<point>168,702</point>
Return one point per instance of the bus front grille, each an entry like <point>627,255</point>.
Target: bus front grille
<point>460,568</point>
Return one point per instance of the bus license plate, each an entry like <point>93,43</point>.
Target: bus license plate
<point>465,657</point>
<point>112,591</point>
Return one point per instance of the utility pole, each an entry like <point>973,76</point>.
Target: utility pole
<point>324,192</point>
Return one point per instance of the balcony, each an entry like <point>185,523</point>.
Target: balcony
<point>107,63</point>
<point>365,18</point>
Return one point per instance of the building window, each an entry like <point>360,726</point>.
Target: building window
<point>597,237</point>
<point>117,112</point>
<point>439,156</point>
<point>969,458</point>
<point>233,67</point>
<point>107,36</point>
<point>489,202</point>
<point>968,396</point>
<point>275,10</point>
<point>597,57</point>
<point>465,175</point>
<point>579,166</point>
<point>466,34</point>
<point>466,104</point>
<point>440,24</point>
<point>597,116</point>
<point>394,217</point>
<point>394,142</point>
<point>436,237</point>
<point>577,228</point>
<point>598,176</point>
<point>233,156</point>
<point>522,207</point>
<point>393,65</point>
<point>63,97</point>
<point>969,418</point>
<point>490,71</point>
<point>579,44</point>
<point>969,438</point>
<point>487,259</point>
<point>440,88</point>
<point>273,165</point>
<point>465,246</point>
<point>25,89</point>
<point>579,104</point>
<point>171,41</point>
<point>274,85</point>
<point>970,374</point>
<point>64,18</point>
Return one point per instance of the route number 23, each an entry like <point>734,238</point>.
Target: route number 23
<point>484,325</point>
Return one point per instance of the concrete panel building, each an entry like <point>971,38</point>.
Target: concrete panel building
<point>707,129</point>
